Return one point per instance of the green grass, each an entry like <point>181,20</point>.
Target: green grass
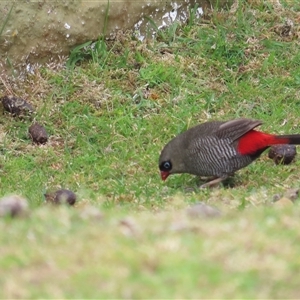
<point>253,254</point>
<point>109,113</point>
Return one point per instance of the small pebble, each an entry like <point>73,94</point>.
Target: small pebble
<point>13,205</point>
<point>292,194</point>
<point>62,196</point>
<point>201,209</point>
<point>17,106</point>
<point>276,197</point>
<point>38,133</point>
<point>129,227</point>
<point>283,202</point>
<point>91,212</point>
<point>282,154</point>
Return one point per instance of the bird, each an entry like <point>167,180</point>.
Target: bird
<point>218,149</point>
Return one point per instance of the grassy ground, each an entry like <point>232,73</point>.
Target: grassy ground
<point>108,115</point>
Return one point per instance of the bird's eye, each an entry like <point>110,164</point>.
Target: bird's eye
<point>166,166</point>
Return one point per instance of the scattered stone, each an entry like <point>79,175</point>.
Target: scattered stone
<point>292,194</point>
<point>276,197</point>
<point>13,206</point>
<point>180,226</point>
<point>38,133</point>
<point>286,29</point>
<point>200,210</point>
<point>62,196</point>
<point>129,227</point>
<point>17,106</point>
<point>283,202</point>
<point>189,189</point>
<point>282,154</point>
<point>91,212</point>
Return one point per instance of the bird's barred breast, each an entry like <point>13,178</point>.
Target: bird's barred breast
<point>211,156</point>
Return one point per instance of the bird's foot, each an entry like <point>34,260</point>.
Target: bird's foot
<point>213,183</point>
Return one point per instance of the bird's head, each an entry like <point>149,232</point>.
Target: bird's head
<point>165,169</point>
<point>171,159</point>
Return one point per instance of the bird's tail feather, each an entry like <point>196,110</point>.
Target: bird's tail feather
<point>293,139</point>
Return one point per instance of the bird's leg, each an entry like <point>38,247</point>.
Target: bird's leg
<point>213,182</point>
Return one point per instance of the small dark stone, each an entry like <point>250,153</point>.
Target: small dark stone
<point>62,196</point>
<point>282,154</point>
<point>17,106</point>
<point>38,133</point>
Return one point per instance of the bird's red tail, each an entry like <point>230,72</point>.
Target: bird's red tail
<point>254,141</point>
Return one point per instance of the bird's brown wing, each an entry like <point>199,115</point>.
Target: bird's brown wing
<point>234,129</point>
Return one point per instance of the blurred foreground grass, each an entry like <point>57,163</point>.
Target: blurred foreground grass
<point>58,254</point>
<point>108,119</point>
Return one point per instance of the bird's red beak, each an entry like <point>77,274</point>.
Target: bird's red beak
<point>164,175</point>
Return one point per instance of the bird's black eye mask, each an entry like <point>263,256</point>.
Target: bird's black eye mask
<point>165,166</point>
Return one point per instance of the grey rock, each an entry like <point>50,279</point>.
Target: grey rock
<point>292,194</point>
<point>276,197</point>
<point>13,205</point>
<point>40,31</point>
<point>91,212</point>
<point>200,210</point>
<point>129,227</point>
